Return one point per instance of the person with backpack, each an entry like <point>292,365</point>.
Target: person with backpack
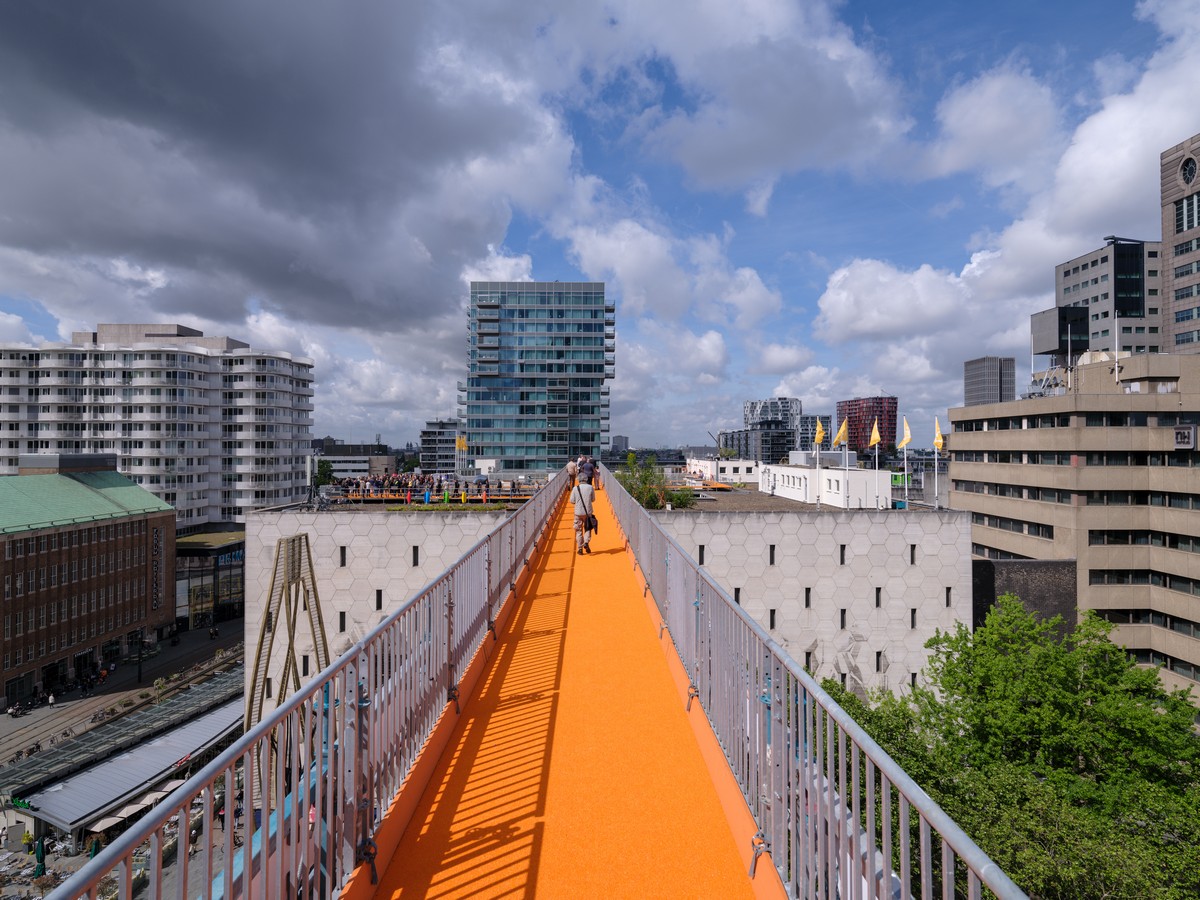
<point>584,497</point>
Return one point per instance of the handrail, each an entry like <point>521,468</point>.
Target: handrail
<point>316,775</point>
<point>788,743</point>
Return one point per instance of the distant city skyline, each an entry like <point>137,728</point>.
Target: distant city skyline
<point>783,198</point>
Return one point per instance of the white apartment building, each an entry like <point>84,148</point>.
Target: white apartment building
<point>207,424</point>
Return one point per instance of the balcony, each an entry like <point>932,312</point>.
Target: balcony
<point>623,729</point>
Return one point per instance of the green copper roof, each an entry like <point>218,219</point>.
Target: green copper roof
<point>42,501</point>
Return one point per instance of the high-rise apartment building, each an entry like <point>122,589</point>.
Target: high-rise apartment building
<point>1181,232</point>
<point>1110,298</point>
<point>776,412</point>
<point>806,430</point>
<point>989,379</point>
<point>1102,472</point>
<point>862,413</point>
<point>439,440</point>
<point>207,424</point>
<point>540,356</point>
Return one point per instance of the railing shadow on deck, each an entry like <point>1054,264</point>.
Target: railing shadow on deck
<point>838,818</point>
<point>320,777</point>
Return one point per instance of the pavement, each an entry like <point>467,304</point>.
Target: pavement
<point>74,713</point>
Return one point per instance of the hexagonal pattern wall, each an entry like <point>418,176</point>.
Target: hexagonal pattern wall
<point>363,562</point>
<point>855,593</point>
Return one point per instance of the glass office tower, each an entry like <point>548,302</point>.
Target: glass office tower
<point>539,359</point>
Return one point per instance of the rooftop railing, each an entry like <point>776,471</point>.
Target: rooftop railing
<point>315,776</point>
<point>837,816</point>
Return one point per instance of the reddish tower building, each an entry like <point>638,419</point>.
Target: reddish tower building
<point>862,413</point>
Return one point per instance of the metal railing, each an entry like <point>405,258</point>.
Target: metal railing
<point>316,775</point>
<point>838,817</point>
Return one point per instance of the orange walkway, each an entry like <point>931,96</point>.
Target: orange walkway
<point>574,771</point>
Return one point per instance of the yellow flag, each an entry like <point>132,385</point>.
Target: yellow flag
<point>840,437</point>
<point>907,435</point>
<point>937,434</point>
<point>874,433</point>
<point>820,433</point>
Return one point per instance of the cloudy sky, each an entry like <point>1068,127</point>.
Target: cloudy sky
<point>784,197</point>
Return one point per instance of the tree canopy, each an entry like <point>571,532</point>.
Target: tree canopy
<point>1070,765</point>
<point>648,486</point>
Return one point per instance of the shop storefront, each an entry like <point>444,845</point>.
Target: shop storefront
<point>209,579</point>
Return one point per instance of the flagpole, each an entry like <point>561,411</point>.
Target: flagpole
<point>937,456</point>
<point>906,476</point>
<point>877,506</point>
<point>817,450</point>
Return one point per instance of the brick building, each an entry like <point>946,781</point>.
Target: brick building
<point>862,413</point>
<point>87,559</point>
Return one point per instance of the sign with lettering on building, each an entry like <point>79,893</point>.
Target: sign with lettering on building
<point>156,569</point>
<point>1185,437</point>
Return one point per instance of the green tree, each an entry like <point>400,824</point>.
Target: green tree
<point>324,472</point>
<point>1067,763</point>
<point>648,486</point>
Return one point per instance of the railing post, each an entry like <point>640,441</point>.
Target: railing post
<point>451,673</point>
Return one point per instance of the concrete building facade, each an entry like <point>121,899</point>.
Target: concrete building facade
<point>87,560</point>
<point>207,424</point>
<point>851,595</point>
<point>775,412</point>
<point>540,359</point>
<point>806,430</point>
<point>1106,473</point>
<point>438,440</point>
<point>764,443</point>
<point>989,379</point>
<point>1108,299</point>
<point>1180,199</point>
<point>365,565</point>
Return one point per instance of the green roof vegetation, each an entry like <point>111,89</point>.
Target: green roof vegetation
<point>30,502</point>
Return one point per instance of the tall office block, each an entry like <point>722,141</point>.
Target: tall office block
<point>540,357</point>
<point>862,413</point>
<point>806,431</point>
<point>777,412</point>
<point>1102,474</point>
<point>206,424</point>
<point>1110,298</point>
<point>1181,232</point>
<point>989,379</point>
<point>438,439</point>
